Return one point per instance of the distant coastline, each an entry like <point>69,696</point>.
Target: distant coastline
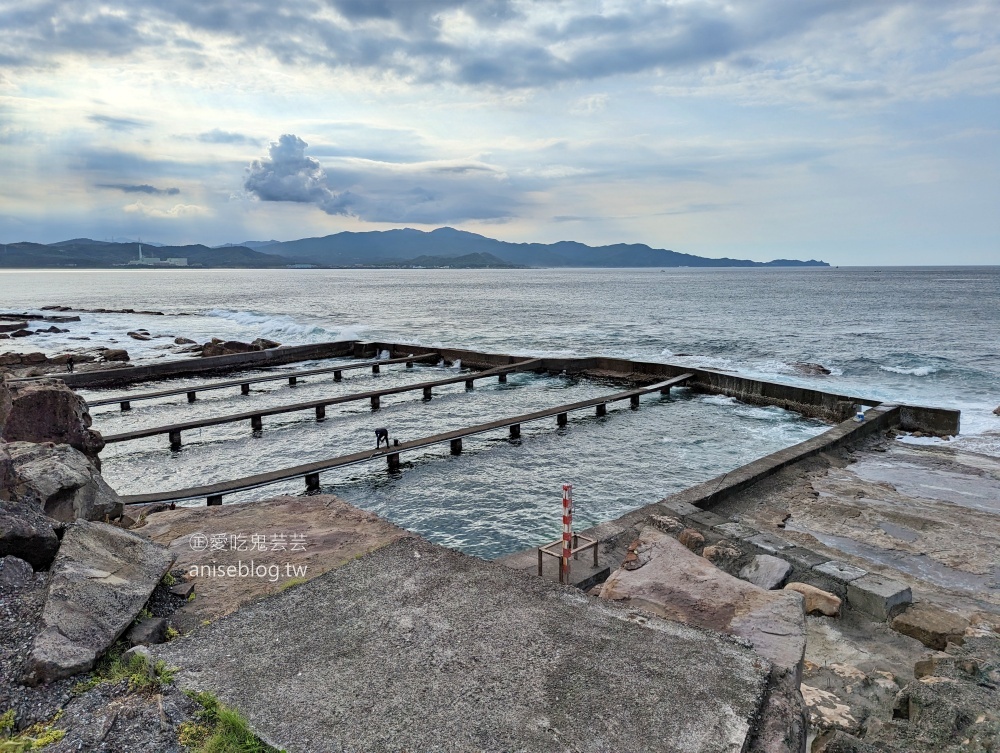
<point>444,248</point>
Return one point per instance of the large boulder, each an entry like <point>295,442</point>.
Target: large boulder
<point>101,579</point>
<point>931,625</point>
<point>46,410</point>
<point>27,533</point>
<point>679,585</point>
<point>62,482</point>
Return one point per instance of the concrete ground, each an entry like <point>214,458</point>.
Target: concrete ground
<point>275,541</point>
<point>417,647</point>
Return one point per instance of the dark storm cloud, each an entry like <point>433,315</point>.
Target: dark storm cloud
<point>143,188</point>
<point>117,124</point>
<point>410,39</point>
<point>215,136</point>
<point>378,192</point>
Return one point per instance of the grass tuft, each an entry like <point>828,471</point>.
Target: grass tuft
<point>220,729</point>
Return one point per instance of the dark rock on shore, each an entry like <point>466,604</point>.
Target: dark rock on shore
<point>217,347</point>
<point>101,578</point>
<point>46,410</point>
<point>21,333</point>
<point>63,482</point>
<point>183,341</point>
<point>13,327</point>
<point>811,369</point>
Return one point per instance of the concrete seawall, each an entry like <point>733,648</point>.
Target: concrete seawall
<point>209,365</point>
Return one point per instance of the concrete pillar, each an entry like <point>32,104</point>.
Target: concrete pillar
<point>312,482</point>
<point>515,431</point>
<point>470,384</point>
<point>244,389</point>
<point>214,499</point>
<point>320,412</point>
<point>393,460</point>
<point>602,409</point>
<point>409,364</point>
<point>292,381</point>
<point>376,402</point>
<point>126,405</point>
<point>665,392</point>
<point>456,446</point>
<point>562,419</point>
<point>634,400</point>
<point>337,376</point>
<point>175,439</point>
<point>192,396</point>
<point>502,378</point>
<point>374,368</point>
<point>256,423</point>
<point>428,393</point>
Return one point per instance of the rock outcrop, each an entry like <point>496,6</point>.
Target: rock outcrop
<point>217,347</point>
<point>27,533</point>
<point>63,482</point>
<point>46,410</point>
<point>100,580</point>
<point>678,585</point>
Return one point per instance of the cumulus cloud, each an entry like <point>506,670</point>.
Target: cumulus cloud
<point>142,188</point>
<point>424,192</point>
<point>176,212</point>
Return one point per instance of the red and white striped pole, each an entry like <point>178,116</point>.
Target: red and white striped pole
<point>567,548</point>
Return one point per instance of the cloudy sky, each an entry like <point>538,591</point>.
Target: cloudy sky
<point>854,131</point>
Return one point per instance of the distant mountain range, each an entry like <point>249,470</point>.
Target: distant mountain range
<point>444,247</point>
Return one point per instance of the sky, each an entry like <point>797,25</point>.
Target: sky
<point>855,131</point>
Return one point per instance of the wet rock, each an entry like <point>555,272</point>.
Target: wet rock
<point>46,410</point>
<point>116,354</point>
<point>147,632</point>
<point>681,586</point>
<point>766,571</point>
<point>15,326</point>
<point>692,539</point>
<point>996,411</point>
<point>931,625</point>
<point>139,336</point>
<point>811,369</point>
<point>63,482</point>
<point>21,333</point>
<point>100,580</point>
<point>817,601</point>
<point>262,343</point>
<point>183,341</point>
<point>15,573</point>
<point>212,349</point>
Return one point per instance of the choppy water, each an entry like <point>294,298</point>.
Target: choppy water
<point>927,336</point>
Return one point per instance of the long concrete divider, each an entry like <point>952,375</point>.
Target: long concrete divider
<point>192,390</point>
<point>310,471</point>
<point>208,365</point>
<point>375,396</point>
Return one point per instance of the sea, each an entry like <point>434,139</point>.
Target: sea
<point>927,336</point>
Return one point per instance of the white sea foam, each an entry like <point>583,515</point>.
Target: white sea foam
<point>273,325</point>
<point>915,371</point>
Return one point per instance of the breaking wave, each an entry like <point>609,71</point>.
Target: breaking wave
<point>280,326</point>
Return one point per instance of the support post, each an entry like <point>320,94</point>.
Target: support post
<point>292,381</point>
<point>374,368</point>
<point>214,499</point>
<point>126,405</point>
<point>409,364</point>
<point>256,423</point>
<point>562,419</point>
<point>192,396</point>
<point>376,402</point>
<point>175,439</point>
<point>567,537</point>
<point>245,389</point>
<point>502,378</point>
<point>634,400</point>
<point>456,446</point>
<point>393,460</point>
<point>428,393</point>
<point>665,392</point>
<point>515,431</point>
<point>470,384</point>
<point>337,376</point>
<point>320,412</point>
<point>602,409</point>
<point>312,482</point>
